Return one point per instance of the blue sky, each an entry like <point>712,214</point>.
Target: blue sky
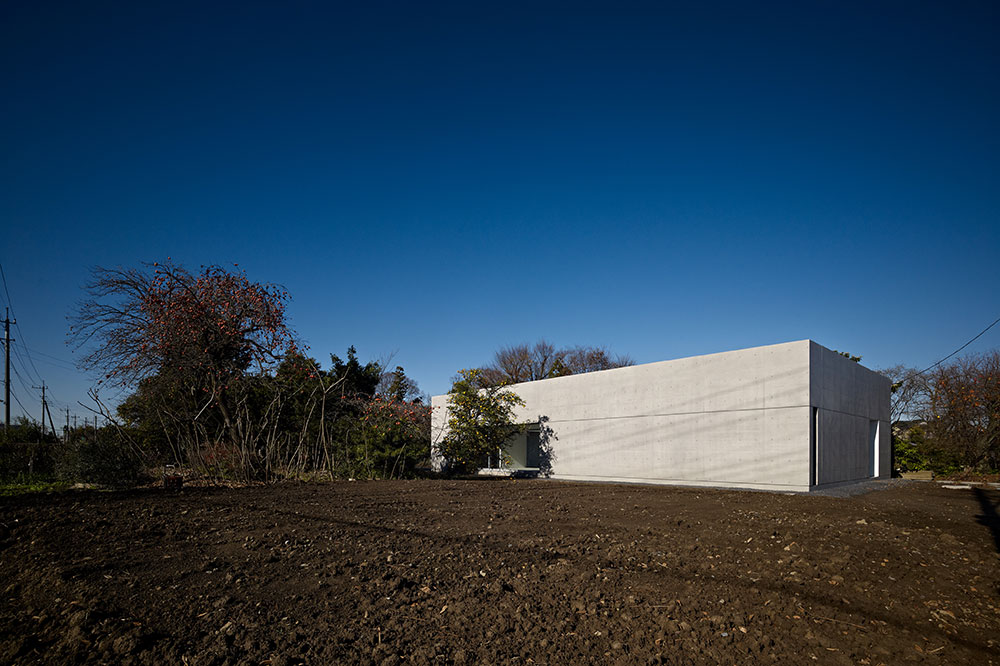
<point>436,180</point>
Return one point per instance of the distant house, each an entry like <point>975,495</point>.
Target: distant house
<point>794,416</point>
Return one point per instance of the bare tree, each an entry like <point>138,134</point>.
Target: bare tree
<point>911,391</point>
<point>526,363</point>
<point>112,322</point>
<point>591,359</point>
<point>397,386</point>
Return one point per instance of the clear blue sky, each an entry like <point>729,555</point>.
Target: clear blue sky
<point>438,180</point>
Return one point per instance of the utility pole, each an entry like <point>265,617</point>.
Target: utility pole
<point>51,424</point>
<point>44,406</point>
<point>66,434</point>
<point>6,368</point>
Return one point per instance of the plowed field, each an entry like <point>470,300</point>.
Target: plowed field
<point>500,571</point>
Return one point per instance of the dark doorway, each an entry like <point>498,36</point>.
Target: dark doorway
<point>532,451</point>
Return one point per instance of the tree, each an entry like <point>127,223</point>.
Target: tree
<point>913,450</point>
<point>355,379</point>
<point>578,360</point>
<point>397,386</point>
<point>527,363</point>
<point>192,345</point>
<point>965,409</point>
<point>391,437</point>
<point>910,393</point>
<point>480,422</point>
<point>214,325</point>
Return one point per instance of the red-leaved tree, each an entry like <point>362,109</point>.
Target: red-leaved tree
<point>216,324</point>
<point>187,341</point>
<point>965,409</point>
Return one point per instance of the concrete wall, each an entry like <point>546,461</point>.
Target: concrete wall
<point>790,416</point>
<point>738,418</point>
<point>852,418</point>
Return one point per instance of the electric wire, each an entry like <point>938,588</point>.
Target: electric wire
<point>4,276</point>
<point>20,333</point>
<point>57,364</point>
<point>27,389</point>
<point>31,361</point>
<point>23,410</point>
<point>55,359</point>
<point>32,374</point>
<point>24,367</point>
<point>931,367</point>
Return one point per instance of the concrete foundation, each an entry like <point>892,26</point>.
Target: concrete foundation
<point>793,416</point>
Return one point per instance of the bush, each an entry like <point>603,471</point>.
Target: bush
<point>26,453</point>
<point>103,458</point>
<point>23,461</point>
<point>913,452</point>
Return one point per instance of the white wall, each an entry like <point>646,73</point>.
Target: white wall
<point>739,418</point>
<point>742,418</point>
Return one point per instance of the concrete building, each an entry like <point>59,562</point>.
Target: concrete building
<point>793,416</point>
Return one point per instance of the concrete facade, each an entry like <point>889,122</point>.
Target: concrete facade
<point>793,416</point>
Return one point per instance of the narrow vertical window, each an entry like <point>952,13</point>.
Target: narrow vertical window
<point>873,438</point>
<point>814,448</point>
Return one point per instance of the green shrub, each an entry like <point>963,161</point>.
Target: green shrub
<point>26,452</point>
<point>103,458</point>
<point>24,461</point>
<point>914,452</point>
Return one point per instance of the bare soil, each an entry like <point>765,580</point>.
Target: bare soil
<point>500,571</point>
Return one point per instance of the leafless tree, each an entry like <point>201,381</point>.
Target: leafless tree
<point>526,363</point>
<point>591,359</point>
<point>397,386</point>
<point>911,392</point>
<point>112,324</point>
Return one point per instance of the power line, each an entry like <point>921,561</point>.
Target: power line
<point>17,374</point>
<point>29,390</point>
<point>20,333</point>
<point>20,339</point>
<point>27,353</point>
<point>23,410</point>
<point>4,276</point>
<point>960,348</point>
<point>57,365</point>
<point>67,364</point>
<point>23,366</point>
<point>6,368</point>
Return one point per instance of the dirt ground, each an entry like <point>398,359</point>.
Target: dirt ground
<point>500,571</point>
